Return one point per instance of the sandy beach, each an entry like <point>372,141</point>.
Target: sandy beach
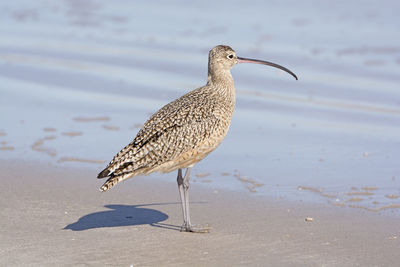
<point>308,174</point>
<point>55,216</point>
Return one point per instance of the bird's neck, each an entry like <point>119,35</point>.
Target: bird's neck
<point>222,81</point>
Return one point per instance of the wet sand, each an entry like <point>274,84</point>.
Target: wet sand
<point>77,81</point>
<point>55,216</point>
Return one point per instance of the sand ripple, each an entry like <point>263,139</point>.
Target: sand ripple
<point>38,146</point>
<point>91,119</point>
<point>73,159</point>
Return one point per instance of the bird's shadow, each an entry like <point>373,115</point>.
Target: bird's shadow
<point>123,215</point>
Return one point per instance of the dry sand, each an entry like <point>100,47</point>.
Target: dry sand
<point>54,216</point>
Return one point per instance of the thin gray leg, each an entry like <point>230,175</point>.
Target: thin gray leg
<point>186,183</point>
<point>184,191</point>
<point>179,180</point>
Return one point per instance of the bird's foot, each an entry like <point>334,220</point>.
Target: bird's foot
<point>195,228</point>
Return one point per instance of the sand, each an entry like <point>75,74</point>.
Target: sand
<point>308,174</point>
<point>77,81</point>
<point>55,216</point>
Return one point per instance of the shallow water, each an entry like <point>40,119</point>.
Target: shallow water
<point>77,80</point>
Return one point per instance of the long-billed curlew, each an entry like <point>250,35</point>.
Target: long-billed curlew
<point>184,131</point>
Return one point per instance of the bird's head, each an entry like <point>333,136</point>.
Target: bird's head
<point>223,58</point>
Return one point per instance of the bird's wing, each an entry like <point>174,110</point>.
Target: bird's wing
<point>176,127</point>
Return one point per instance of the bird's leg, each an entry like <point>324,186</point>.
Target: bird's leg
<point>187,225</point>
<point>186,182</point>
<point>179,180</point>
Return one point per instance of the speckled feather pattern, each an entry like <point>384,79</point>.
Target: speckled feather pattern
<point>184,131</point>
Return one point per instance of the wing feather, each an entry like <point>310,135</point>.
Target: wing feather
<point>169,132</point>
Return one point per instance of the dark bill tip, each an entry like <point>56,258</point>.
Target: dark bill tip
<point>263,62</point>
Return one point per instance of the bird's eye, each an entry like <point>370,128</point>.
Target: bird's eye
<point>230,56</point>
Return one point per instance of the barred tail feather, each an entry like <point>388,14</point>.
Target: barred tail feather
<point>114,180</point>
<point>104,173</point>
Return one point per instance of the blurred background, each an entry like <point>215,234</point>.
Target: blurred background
<point>79,78</point>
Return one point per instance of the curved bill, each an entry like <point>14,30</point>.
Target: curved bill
<point>256,61</point>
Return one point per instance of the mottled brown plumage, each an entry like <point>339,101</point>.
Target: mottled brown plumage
<point>184,131</point>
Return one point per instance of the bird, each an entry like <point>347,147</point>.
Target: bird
<point>184,131</point>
